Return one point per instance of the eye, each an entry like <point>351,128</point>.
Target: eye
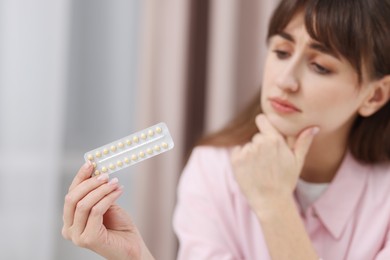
<point>320,69</point>
<point>281,54</point>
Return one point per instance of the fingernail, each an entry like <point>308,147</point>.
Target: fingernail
<point>87,164</point>
<point>113,181</point>
<point>104,176</point>
<point>315,130</point>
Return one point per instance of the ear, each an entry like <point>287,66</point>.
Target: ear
<point>377,96</point>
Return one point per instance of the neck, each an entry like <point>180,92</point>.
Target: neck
<point>323,160</point>
<point>324,157</point>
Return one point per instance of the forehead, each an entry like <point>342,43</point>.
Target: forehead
<point>339,27</point>
<point>297,29</point>
<point>294,31</point>
<point>296,22</point>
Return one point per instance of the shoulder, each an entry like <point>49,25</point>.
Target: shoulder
<point>379,175</point>
<point>207,168</point>
<point>210,156</point>
<point>382,168</point>
<point>378,183</point>
<point>205,159</point>
<point>378,172</point>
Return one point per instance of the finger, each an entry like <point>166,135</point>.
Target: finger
<point>84,207</point>
<point>235,154</point>
<point>265,126</point>
<point>95,218</point>
<point>235,151</point>
<point>84,173</point>
<point>77,194</point>
<point>303,143</point>
<point>257,138</point>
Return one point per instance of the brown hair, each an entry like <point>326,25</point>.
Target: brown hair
<point>357,30</point>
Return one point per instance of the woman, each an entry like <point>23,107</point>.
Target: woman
<point>303,173</point>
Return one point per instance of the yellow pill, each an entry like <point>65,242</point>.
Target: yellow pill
<point>135,139</point>
<point>157,148</point>
<point>149,151</point>
<point>113,148</point>
<point>121,145</point>
<point>105,151</point>
<point>97,173</point>
<point>111,166</point>
<point>90,157</point>
<point>150,133</point>
<point>119,163</point>
<point>141,154</point>
<point>128,142</point>
<point>94,165</point>
<point>158,130</point>
<point>98,154</point>
<point>164,145</point>
<point>134,157</point>
<point>104,169</point>
<point>127,160</point>
<point>143,136</point>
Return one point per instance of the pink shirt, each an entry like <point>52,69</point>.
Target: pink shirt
<point>213,220</point>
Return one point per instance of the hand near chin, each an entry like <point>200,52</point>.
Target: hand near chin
<point>266,168</point>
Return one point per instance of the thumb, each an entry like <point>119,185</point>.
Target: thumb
<point>303,143</point>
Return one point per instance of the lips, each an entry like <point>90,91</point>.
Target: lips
<point>283,106</point>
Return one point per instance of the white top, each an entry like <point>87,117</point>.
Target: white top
<point>307,192</point>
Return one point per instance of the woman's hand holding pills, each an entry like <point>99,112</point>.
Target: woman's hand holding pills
<point>266,168</point>
<point>93,220</point>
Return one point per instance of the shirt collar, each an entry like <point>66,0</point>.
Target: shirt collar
<point>338,202</point>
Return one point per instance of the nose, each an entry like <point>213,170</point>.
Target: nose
<point>288,78</point>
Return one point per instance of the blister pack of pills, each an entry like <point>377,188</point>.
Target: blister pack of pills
<point>130,150</point>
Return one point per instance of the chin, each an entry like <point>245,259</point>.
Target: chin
<point>284,126</point>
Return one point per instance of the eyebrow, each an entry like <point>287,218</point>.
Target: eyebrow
<point>313,45</point>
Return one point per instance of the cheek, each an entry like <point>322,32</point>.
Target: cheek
<point>331,109</point>
<point>270,69</point>
<point>329,97</point>
<point>269,75</point>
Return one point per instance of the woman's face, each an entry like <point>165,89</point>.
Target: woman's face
<point>305,85</point>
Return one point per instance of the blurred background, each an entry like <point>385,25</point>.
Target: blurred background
<point>76,74</point>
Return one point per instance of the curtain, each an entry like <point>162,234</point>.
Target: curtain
<point>67,85</point>
<point>33,51</point>
<point>75,75</point>
<point>101,92</point>
<point>161,95</point>
<point>201,64</point>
